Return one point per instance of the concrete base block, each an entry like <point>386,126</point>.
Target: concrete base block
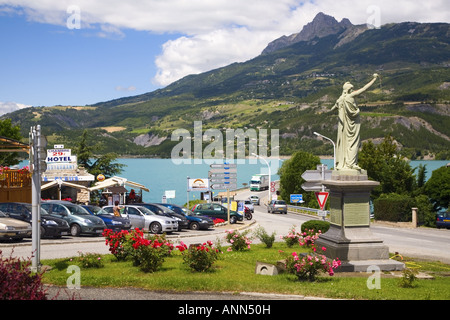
<point>371,265</point>
<point>266,269</point>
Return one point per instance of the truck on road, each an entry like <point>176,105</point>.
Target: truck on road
<point>259,182</point>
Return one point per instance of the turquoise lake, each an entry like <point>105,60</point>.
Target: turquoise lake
<point>163,174</point>
<point>160,175</point>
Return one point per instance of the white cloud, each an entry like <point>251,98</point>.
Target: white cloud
<point>192,55</point>
<point>218,32</point>
<point>7,107</point>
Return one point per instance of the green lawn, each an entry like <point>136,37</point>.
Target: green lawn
<point>235,272</point>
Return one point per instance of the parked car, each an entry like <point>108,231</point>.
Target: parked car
<point>215,210</point>
<point>79,219</point>
<point>443,220</point>
<point>13,229</point>
<point>143,218</point>
<point>254,199</point>
<point>196,222</point>
<point>50,226</point>
<point>277,206</point>
<point>112,222</point>
<point>161,210</point>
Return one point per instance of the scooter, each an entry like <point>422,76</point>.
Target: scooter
<point>247,213</point>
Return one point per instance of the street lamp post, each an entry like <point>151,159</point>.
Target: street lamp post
<point>334,148</point>
<point>270,175</point>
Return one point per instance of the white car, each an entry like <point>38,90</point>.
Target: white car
<point>143,218</point>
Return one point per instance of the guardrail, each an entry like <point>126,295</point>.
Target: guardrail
<point>305,210</point>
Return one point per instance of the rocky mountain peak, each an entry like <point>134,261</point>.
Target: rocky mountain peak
<point>323,25</point>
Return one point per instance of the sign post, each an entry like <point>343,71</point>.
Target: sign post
<point>38,144</point>
<point>223,177</point>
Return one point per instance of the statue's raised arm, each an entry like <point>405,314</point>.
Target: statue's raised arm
<point>367,86</point>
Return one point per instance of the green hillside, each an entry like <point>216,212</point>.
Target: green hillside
<point>290,89</point>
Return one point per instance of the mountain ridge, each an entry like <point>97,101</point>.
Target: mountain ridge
<point>323,25</point>
<point>290,89</point>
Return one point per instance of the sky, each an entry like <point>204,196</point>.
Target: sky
<point>81,52</point>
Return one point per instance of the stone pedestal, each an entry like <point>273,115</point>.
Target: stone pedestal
<point>349,237</point>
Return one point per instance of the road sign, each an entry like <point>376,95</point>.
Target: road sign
<point>322,198</point>
<point>312,186</point>
<point>222,175</point>
<point>222,170</point>
<point>224,166</point>
<point>321,213</point>
<point>223,180</point>
<point>224,186</point>
<point>296,198</point>
<point>314,175</point>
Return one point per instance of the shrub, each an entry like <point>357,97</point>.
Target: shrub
<point>17,282</point>
<point>317,226</point>
<point>148,255</point>
<point>166,247</point>
<point>201,257</point>
<point>308,266</point>
<point>308,237</point>
<point>393,207</point>
<point>291,238</point>
<point>217,221</point>
<point>238,241</point>
<point>117,242</point>
<point>90,260</point>
<point>408,278</point>
<point>264,237</point>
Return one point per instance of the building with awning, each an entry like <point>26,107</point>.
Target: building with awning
<point>114,189</point>
<point>60,183</point>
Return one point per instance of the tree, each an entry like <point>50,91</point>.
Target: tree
<point>83,151</point>
<point>7,130</point>
<point>385,164</point>
<point>95,165</point>
<point>437,188</point>
<point>291,173</point>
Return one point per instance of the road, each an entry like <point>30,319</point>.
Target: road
<point>425,243</point>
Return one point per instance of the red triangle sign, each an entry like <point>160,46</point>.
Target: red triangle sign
<point>322,198</point>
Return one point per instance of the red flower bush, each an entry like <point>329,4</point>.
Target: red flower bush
<point>199,257</point>
<point>147,253</point>
<point>218,220</point>
<point>117,243</point>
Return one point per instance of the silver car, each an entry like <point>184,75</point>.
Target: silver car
<point>143,218</point>
<point>277,206</point>
<point>254,199</point>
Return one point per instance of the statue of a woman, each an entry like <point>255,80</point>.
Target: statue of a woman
<point>348,137</point>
